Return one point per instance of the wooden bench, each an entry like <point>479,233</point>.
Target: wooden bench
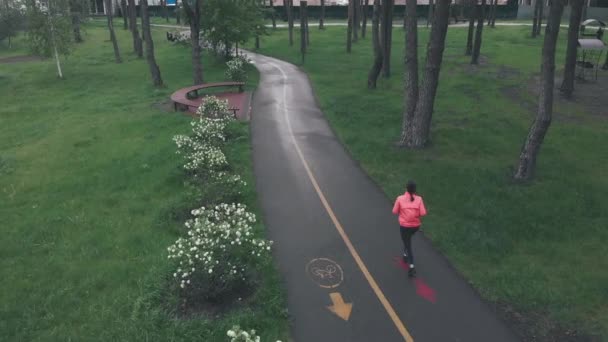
<point>185,96</point>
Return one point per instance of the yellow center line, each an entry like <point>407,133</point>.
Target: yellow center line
<point>370,279</point>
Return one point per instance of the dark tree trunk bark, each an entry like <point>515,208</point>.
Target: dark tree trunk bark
<point>194,18</point>
<point>605,66</point>
<point>411,72</point>
<point>540,18</point>
<point>576,13</point>
<point>165,10</point>
<point>274,15</point>
<point>478,33</point>
<point>535,18</point>
<point>365,10</point>
<point>322,17</point>
<point>112,34</point>
<point>429,19</point>
<point>157,80</point>
<point>472,9</point>
<point>356,10</point>
<point>289,9</point>
<point>137,43</point>
<point>492,16</point>
<point>303,6</point>
<point>529,152</point>
<point>125,16</point>
<point>428,89</point>
<point>76,26</point>
<point>349,29</point>
<point>387,39</point>
<point>372,77</point>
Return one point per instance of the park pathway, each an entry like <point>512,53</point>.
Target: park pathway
<point>336,242</point>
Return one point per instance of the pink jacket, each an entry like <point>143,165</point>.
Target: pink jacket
<point>409,211</point>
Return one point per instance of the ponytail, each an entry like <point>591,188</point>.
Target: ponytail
<point>411,189</point>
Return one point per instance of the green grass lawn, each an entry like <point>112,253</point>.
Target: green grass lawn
<point>90,195</point>
<point>539,247</point>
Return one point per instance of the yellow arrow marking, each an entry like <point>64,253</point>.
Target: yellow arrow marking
<point>340,308</point>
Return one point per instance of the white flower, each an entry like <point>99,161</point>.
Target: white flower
<point>231,333</point>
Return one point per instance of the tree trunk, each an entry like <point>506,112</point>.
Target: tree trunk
<point>428,89</point>
<point>322,17</point>
<point>303,5</point>
<point>387,39</point>
<point>112,35</point>
<point>372,77</point>
<point>194,18</point>
<point>478,33</point>
<point>125,16</point>
<point>493,24</point>
<point>356,10</point>
<point>540,17</point>
<point>349,30</point>
<point>538,130</point>
<point>165,10</point>
<point>411,72</point>
<point>289,9</point>
<point>76,26</point>
<point>178,15</point>
<point>137,43</point>
<point>535,18</point>
<point>364,11</point>
<point>472,7</point>
<point>429,18</point>
<point>576,12</point>
<point>605,66</point>
<point>145,27</point>
<point>274,15</point>
<point>492,16</point>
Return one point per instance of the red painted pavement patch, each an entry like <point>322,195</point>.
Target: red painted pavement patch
<point>422,289</point>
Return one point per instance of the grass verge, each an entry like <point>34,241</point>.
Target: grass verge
<point>91,190</point>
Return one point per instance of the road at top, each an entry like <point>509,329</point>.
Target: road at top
<point>337,244</point>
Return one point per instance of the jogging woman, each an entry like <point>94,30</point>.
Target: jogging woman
<point>410,208</point>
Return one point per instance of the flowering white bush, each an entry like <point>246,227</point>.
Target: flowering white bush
<point>238,335</point>
<point>237,71</point>
<point>213,107</point>
<point>218,252</point>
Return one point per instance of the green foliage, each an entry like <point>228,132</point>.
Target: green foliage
<point>237,69</point>
<point>227,22</point>
<point>49,27</point>
<point>11,18</point>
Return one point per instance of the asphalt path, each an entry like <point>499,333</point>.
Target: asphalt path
<point>337,243</point>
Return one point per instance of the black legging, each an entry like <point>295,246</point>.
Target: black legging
<point>406,237</point>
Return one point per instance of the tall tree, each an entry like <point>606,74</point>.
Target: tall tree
<point>605,66</point>
<point>576,12</point>
<point>192,8</point>
<point>322,16</point>
<point>303,44</point>
<point>429,18</point>
<point>529,152</point>
<point>472,7</point>
<point>374,72</point>
<point>11,20</point>
<point>145,27</point>
<point>137,43</point>
<point>75,13</point>
<point>273,15</point>
<point>50,29</point>
<point>349,29</point>
<point>288,4</point>
<point>539,23</point>
<point>179,8</point>
<point>492,13</point>
<point>478,32</point>
<point>123,12</point>
<point>356,11</point>
<point>117,58</point>
<point>365,11</point>
<point>411,72</point>
<point>387,36</point>
<point>163,4</point>
<point>535,18</point>
<point>421,124</point>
